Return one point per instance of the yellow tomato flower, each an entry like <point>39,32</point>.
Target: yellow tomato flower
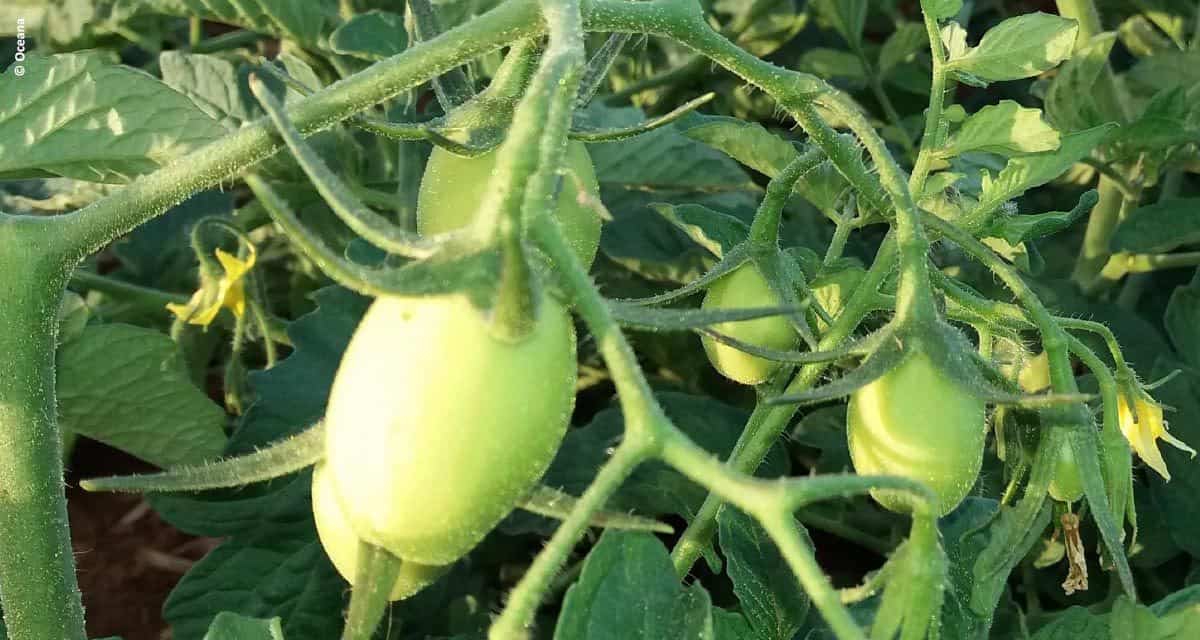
<point>1143,425</point>
<point>228,292</point>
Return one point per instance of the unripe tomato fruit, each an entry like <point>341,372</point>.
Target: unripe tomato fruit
<point>1066,485</point>
<point>341,545</point>
<point>436,428</point>
<point>745,287</point>
<point>454,186</point>
<point>917,423</point>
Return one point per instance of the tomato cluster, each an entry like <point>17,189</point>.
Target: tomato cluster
<point>436,427</point>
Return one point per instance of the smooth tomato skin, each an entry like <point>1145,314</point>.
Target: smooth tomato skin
<point>341,545</point>
<point>453,188</point>
<point>916,423</point>
<point>745,287</point>
<point>1066,485</point>
<point>435,428</point>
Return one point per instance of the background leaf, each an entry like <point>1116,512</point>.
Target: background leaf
<point>127,387</point>
<point>76,115</point>
<point>628,591</point>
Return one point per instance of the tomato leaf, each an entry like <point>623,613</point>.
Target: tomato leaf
<point>1006,128</point>
<point>292,395</point>
<point>1026,172</point>
<point>1020,47</point>
<point>772,600</point>
<point>847,17</point>
<point>271,566</point>
<point>373,35</point>
<point>628,591</point>
<point>1071,98</point>
<point>718,232</point>
<point>106,123</point>
<point>1182,318</point>
<point>941,9</point>
<point>231,626</point>
<point>304,22</point>
<point>105,378</point>
<point>1159,227</point>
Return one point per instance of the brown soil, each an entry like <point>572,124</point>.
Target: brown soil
<point>128,558</point>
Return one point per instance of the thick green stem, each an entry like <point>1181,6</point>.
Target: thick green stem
<point>769,421</point>
<point>935,129</point>
<point>1105,216</point>
<point>91,228</point>
<point>38,590</point>
<point>1084,12</point>
<point>1101,224</point>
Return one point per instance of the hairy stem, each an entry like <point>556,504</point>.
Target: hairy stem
<point>38,590</point>
<point>935,129</point>
<point>92,227</point>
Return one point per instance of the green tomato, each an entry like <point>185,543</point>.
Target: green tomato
<point>436,428</point>
<point>1066,485</point>
<point>917,423</point>
<point>340,543</point>
<point>454,186</point>
<point>745,287</point>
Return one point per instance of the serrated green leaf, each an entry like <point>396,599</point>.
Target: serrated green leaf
<point>1026,172</point>
<point>1020,47</point>
<point>300,21</point>
<point>213,83</point>
<point>272,566</point>
<point>832,63</point>
<point>231,626</point>
<point>1076,623</point>
<point>1159,227</point>
<point>763,26</point>
<point>747,142</point>
<point>373,35</point>
<point>902,46</point>
<point>718,232</point>
<point>628,591</point>
<point>1166,121</point>
<point>771,598</point>
<point>127,387</point>
<point>291,395</point>
<point>1006,129</point>
<point>77,116</point>
<point>1016,229</point>
<point>941,9</point>
<point>1070,102</point>
<point>1166,70</point>
<point>847,17</point>
<point>1182,318</point>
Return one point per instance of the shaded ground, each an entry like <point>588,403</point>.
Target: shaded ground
<point>128,558</point>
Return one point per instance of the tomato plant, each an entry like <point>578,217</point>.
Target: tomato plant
<point>452,258</point>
